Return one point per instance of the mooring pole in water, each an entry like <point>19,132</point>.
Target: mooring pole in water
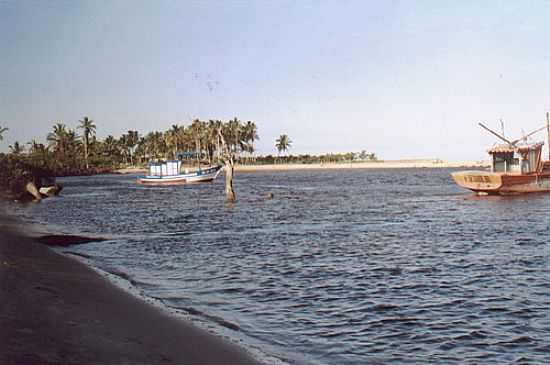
<point>548,132</point>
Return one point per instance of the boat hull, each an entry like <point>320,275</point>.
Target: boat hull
<point>483,182</point>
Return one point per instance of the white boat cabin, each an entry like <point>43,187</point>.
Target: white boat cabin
<point>524,159</point>
<point>168,168</point>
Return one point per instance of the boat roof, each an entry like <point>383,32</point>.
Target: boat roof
<point>507,148</point>
<point>162,162</point>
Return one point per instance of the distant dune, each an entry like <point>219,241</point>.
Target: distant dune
<point>396,164</point>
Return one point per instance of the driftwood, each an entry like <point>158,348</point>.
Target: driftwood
<point>33,190</point>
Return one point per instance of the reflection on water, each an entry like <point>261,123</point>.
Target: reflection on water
<point>340,267</point>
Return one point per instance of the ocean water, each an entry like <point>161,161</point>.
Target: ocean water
<point>340,267</point>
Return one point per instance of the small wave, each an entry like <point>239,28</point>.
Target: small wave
<point>218,320</point>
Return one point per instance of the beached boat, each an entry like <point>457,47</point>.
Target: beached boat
<point>517,167</point>
<point>169,173</point>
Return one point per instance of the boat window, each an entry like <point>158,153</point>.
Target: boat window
<point>499,163</point>
<point>514,165</point>
<point>506,163</point>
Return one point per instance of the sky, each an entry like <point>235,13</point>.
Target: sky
<point>402,79</point>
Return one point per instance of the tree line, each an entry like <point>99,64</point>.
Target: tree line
<point>79,148</point>
<point>69,149</point>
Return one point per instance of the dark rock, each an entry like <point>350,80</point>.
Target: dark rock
<point>64,240</point>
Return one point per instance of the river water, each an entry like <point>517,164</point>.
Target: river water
<point>340,267</point>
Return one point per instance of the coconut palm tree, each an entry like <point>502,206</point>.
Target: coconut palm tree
<point>251,135</point>
<point>110,149</point>
<point>174,138</point>
<point>16,148</point>
<point>57,141</point>
<point>73,148</point>
<point>234,132</point>
<point>156,144</point>
<point>132,139</point>
<point>198,130</point>
<point>38,152</point>
<point>213,140</point>
<point>283,143</point>
<point>2,131</point>
<point>88,127</point>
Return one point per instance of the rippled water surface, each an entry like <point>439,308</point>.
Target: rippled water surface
<point>340,267</point>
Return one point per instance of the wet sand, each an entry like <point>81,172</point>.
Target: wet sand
<point>56,310</point>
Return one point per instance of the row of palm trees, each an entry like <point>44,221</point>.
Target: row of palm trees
<point>200,140</point>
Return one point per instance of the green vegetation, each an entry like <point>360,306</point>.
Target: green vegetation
<point>67,152</point>
<point>283,143</point>
<point>88,128</point>
<point>349,157</point>
<point>70,153</point>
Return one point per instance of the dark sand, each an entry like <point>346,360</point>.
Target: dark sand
<point>55,310</point>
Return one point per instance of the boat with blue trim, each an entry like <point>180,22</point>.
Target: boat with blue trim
<point>170,173</point>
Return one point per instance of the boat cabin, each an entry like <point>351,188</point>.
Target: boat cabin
<point>524,159</point>
<point>169,168</point>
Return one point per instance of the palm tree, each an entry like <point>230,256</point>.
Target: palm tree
<point>283,143</point>
<point>234,131</point>
<point>16,148</point>
<point>132,139</point>
<point>38,152</point>
<point>110,149</point>
<point>155,144</point>
<point>2,131</point>
<point>198,130</point>
<point>213,140</point>
<point>88,126</point>
<point>57,140</point>
<point>73,147</point>
<point>174,137</point>
<point>251,135</point>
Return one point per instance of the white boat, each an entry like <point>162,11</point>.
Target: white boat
<point>169,173</point>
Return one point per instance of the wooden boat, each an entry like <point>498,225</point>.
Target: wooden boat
<point>517,167</point>
<point>169,173</point>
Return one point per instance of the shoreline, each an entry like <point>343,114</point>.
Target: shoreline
<point>397,164</point>
<point>401,164</point>
<point>57,309</point>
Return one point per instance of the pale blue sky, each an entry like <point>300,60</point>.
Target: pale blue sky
<point>404,79</point>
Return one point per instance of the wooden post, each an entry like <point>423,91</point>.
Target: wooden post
<point>229,192</point>
<point>227,158</point>
<point>548,132</point>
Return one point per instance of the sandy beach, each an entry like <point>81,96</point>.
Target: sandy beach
<point>397,164</point>
<point>56,310</point>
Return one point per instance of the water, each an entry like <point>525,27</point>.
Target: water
<point>341,267</point>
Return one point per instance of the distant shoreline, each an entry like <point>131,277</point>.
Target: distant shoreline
<point>399,164</point>
<point>396,164</point>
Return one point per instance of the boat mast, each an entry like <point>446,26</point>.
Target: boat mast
<point>548,132</point>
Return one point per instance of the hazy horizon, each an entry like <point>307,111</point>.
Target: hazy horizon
<point>401,79</point>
